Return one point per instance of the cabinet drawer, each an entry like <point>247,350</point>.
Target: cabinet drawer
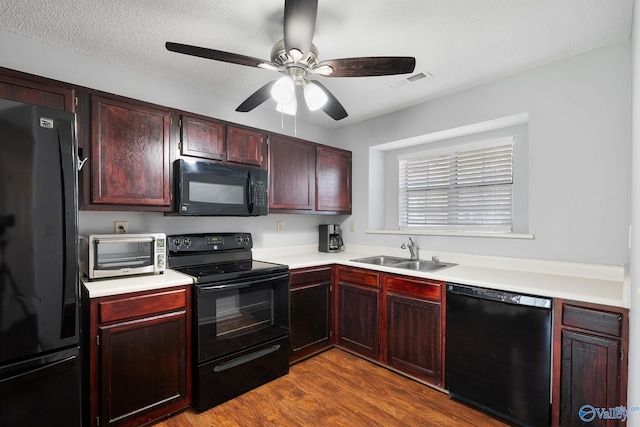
<point>427,289</point>
<point>141,305</point>
<point>592,320</point>
<point>315,275</point>
<point>359,276</point>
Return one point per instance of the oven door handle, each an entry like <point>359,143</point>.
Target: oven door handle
<point>243,284</point>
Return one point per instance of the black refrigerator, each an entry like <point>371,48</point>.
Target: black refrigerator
<point>39,285</point>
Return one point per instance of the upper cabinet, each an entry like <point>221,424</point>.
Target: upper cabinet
<point>129,155</point>
<point>36,90</point>
<point>214,140</point>
<point>291,174</point>
<point>333,179</point>
<point>308,178</point>
<point>202,137</point>
<point>245,146</point>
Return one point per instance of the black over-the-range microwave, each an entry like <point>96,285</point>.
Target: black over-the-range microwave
<point>220,189</point>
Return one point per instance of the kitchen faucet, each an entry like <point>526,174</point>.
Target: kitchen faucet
<point>411,245</point>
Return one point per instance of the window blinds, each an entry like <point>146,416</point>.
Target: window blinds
<point>464,190</point>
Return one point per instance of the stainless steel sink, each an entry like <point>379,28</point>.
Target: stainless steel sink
<point>404,263</point>
<point>422,265</point>
<point>381,260</point>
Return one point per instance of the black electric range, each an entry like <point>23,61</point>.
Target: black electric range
<point>241,315</point>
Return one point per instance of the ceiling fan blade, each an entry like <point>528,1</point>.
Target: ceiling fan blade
<point>299,24</point>
<point>217,55</point>
<point>369,66</point>
<point>257,98</point>
<point>332,107</point>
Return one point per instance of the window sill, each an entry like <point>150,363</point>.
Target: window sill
<point>454,234</point>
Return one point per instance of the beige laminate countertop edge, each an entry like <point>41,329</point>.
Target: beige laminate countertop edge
<point>139,283</point>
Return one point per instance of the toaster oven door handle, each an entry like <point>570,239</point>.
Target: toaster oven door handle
<point>126,240</point>
<point>243,284</point>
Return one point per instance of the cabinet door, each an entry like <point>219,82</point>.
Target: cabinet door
<point>143,368</point>
<point>129,154</point>
<point>291,174</point>
<point>359,311</point>
<point>333,172</point>
<point>202,138</point>
<point>36,90</point>
<point>244,146</point>
<point>590,376</point>
<point>414,337</point>
<point>310,319</point>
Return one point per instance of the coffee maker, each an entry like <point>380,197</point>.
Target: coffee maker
<point>330,238</point>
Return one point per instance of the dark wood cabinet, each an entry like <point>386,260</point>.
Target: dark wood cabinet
<point>214,140</point>
<point>291,174</point>
<point>140,356</point>
<point>359,311</point>
<point>129,156</point>
<point>590,362</point>
<point>202,137</point>
<point>333,180</point>
<point>311,313</point>
<point>414,326</point>
<point>36,90</point>
<point>245,146</point>
<point>305,177</point>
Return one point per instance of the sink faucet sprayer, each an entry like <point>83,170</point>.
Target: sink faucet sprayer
<point>411,245</point>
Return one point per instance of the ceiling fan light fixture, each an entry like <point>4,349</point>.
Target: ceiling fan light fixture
<point>314,96</point>
<point>283,91</point>
<point>289,108</point>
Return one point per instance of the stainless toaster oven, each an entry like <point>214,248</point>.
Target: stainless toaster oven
<point>115,255</point>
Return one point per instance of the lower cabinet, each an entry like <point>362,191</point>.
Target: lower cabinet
<point>359,311</point>
<point>414,327</point>
<point>590,354</point>
<point>140,356</point>
<point>310,314</point>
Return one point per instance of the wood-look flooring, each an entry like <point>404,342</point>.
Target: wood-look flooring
<point>336,388</point>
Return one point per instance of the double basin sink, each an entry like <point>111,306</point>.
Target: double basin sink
<point>404,263</point>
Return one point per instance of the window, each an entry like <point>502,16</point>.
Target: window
<point>463,189</point>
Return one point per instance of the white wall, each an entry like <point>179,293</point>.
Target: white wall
<point>579,157</point>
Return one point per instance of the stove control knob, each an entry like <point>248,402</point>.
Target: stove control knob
<point>177,242</point>
<point>186,242</point>
<point>245,239</point>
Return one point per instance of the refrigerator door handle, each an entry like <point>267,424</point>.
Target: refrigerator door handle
<point>68,171</point>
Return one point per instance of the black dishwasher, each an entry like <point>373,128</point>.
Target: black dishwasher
<point>498,353</point>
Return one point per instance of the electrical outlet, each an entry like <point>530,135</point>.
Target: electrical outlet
<point>121,227</point>
<point>280,225</point>
<point>352,226</point>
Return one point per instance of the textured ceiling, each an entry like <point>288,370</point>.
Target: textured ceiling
<point>462,43</point>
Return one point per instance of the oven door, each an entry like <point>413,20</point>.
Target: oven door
<point>234,315</point>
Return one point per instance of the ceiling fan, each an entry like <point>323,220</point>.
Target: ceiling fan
<point>296,58</point>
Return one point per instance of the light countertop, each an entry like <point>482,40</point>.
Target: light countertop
<point>139,283</point>
<point>600,284</point>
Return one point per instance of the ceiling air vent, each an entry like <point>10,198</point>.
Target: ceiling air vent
<point>411,79</point>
